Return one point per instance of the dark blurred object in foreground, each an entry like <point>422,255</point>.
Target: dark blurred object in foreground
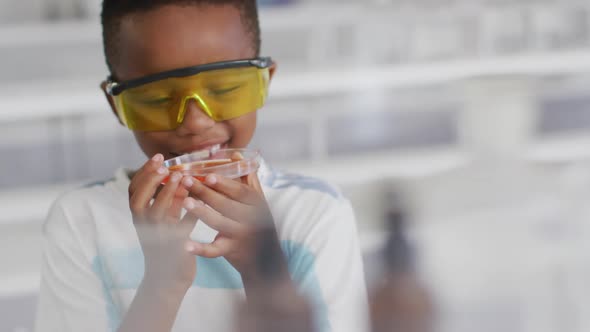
<point>399,302</point>
<point>273,303</point>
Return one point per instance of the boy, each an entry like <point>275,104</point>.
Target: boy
<point>185,76</point>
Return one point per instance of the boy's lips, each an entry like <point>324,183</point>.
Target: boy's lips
<point>201,147</point>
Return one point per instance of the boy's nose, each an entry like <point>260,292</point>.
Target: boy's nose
<point>195,121</point>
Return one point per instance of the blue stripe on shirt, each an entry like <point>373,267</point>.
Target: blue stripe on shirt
<point>218,273</point>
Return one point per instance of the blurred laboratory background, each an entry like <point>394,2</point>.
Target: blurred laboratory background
<point>476,112</point>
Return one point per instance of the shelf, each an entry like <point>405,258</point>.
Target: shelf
<point>83,96</point>
<point>89,30</point>
<point>366,168</point>
<point>19,284</point>
<point>50,33</point>
<point>561,149</point>
<point>29,204</point>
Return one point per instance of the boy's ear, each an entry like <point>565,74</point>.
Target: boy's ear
<point>103,87</point>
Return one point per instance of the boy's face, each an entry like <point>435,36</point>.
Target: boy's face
<point>174,37</point>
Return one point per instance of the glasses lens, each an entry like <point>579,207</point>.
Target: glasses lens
<point>225,93</point>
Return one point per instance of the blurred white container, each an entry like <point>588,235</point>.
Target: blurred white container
<point>504,31</point>
<point>442,36</point>
<point>384,39</point>
<point>560,27</point>
<point>91,8</point>
<point>64,9</point>
<point>17,11</point>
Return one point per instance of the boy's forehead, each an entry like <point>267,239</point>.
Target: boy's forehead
<point>174,37</point>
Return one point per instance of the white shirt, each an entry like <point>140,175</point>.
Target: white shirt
<point>93,262</point>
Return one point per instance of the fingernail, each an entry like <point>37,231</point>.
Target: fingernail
<point>211,179</point>
<point>188,182</point>
<point>162,170</point>
<point>158,157</point>
<point>175,177</point>
<point>236,156</point>
<point>189,204</point>
<point>189,247</point>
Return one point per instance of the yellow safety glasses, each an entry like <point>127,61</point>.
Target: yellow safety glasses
<point>222,90</point>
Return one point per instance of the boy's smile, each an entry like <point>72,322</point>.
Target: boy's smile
<point>174,37</point>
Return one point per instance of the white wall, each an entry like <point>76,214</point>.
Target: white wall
<point>478,110</point>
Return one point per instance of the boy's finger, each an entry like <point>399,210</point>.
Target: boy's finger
<point>162,203</point>
<point>253,181</point>
<point>220,247</point>
<point>140,198</point>
<point>235,190</point>
<point>219,202</point>
<point>212,218</point>
<point>149,167</point>
<point>187,224</point>
<point>175,211</point>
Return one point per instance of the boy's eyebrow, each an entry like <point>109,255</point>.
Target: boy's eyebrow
<point>115,88</point>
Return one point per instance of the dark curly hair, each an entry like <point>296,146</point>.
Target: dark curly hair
<point>114,10</point>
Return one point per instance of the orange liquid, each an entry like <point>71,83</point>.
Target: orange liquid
<point>195,167</point>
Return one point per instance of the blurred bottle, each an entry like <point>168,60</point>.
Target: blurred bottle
<point>400,303</point>
<point>273,302</point>
<point>64,9</point>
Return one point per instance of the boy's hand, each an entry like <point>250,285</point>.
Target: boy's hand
<point>237,210</point>
<point>162,234</point>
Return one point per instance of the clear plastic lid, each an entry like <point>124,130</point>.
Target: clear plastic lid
<point>229,163</point>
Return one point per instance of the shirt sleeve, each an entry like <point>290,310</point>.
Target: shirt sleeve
<point>72,296</point>
<point>328,267</point>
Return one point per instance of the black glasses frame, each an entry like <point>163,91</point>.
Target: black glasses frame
<point>116,88</point>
